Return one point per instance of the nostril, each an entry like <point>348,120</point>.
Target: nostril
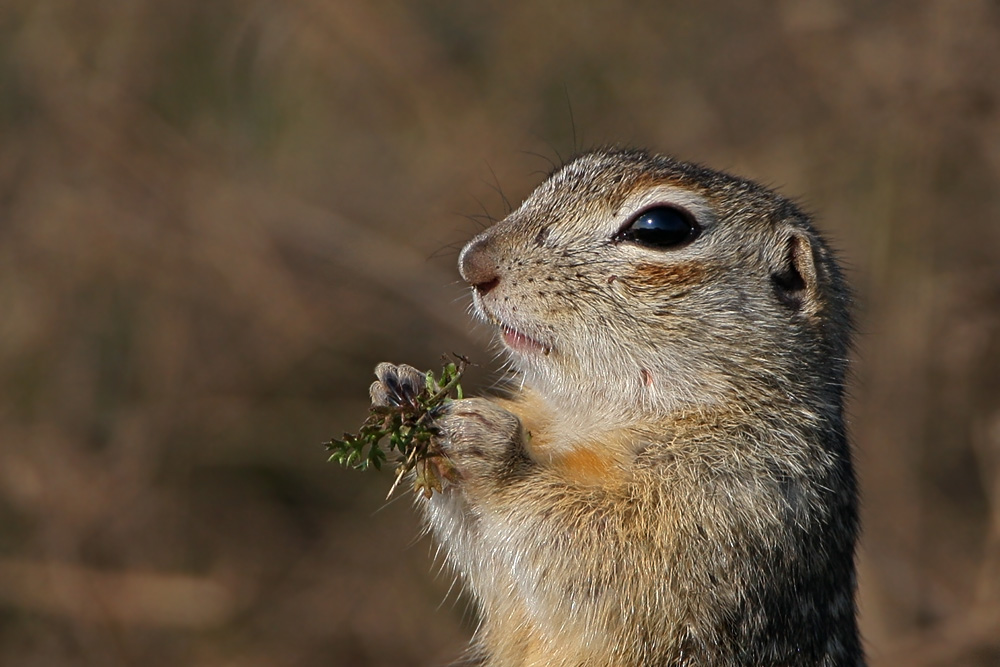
<point>478,265</point>
<point>484,287</point>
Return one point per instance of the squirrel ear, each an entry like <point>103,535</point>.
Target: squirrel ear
<point>795,281</point>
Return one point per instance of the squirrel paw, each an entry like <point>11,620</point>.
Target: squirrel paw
<point>481,439</point>
<point>396,386</point>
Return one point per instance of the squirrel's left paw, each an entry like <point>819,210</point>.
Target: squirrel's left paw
<point>397,385</point>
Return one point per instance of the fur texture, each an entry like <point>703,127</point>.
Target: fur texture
<point>671,484</point>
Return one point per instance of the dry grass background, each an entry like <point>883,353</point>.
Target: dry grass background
<point>215,218</point>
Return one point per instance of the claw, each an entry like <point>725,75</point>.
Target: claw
<point>392,385</point>
<point>380,396</point>
<point>384,369</point>
<point>411,381</point>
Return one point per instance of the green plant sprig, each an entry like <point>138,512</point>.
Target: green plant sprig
<point>410,430</point>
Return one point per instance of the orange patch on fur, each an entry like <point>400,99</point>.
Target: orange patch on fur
<point>597,466</point>
<point>586,463</point>
<point>658,275</point>
<point>597,460</point>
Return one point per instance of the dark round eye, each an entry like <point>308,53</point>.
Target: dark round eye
<point>660,227</point>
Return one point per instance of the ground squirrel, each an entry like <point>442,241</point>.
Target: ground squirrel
<point>670,483</point>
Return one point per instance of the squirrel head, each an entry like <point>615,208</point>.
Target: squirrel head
<point>628,283</point>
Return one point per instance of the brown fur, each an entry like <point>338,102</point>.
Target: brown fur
<point>672,483</point>
<point>655,275</point>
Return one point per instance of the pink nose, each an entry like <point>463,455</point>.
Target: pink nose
<point>478,266</point>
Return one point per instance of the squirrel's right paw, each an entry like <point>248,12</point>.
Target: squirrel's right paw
<point>397,385</point>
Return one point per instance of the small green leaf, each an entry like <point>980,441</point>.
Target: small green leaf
<point>409,430</point>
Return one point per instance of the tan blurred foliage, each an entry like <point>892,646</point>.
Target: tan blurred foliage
<point>215,218</point>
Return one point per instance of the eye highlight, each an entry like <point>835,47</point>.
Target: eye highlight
<point>660,227</point>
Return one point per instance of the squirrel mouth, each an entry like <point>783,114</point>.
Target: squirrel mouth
<point>520,342</point>
<point>514,339</point>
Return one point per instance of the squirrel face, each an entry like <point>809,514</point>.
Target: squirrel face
<point>667,281</point>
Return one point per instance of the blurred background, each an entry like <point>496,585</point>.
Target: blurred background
<point>216,217</point>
